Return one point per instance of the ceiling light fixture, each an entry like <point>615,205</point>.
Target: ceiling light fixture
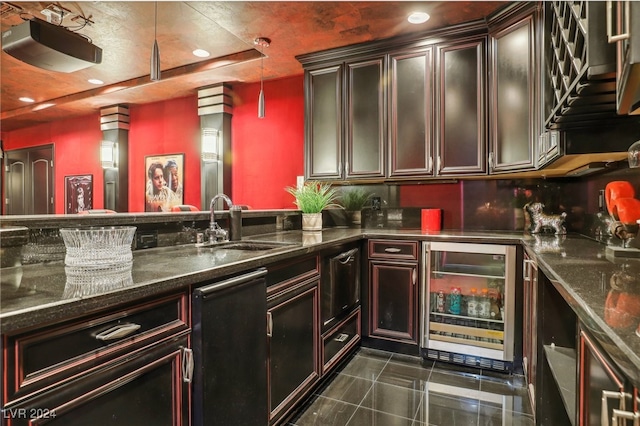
<point>262,42</point>
<point>155,52</point>
<point>201,53</point>
<point>418,17</point>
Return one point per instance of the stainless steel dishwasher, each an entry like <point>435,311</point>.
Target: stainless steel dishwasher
<point>230,351</point>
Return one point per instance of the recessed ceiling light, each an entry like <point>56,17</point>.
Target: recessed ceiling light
<point>201,53</point>
<point>25,99</point>
<point>95,81</point>
<point>418,17</point>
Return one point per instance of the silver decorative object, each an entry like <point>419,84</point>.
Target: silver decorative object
<point>541,221</point>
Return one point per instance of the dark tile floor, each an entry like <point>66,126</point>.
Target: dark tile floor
<point>381,388</point>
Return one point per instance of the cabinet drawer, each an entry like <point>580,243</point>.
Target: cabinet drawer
<point>390,249</point>
<point>36,360</point>
<point>283,275</point>
<point>337,343</point>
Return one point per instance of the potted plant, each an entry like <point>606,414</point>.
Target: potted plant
<point>353,200</point>
<point>311,199</point>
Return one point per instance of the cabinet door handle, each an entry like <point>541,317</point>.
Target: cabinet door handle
<point>118,332</point>
<point>620,417</point>
<point>525,270</point>
<point>604,413</point>
<point>491,161</point>
<point>269,324</point>
<point>414,276</point>
<point>439,165</point>
<point>613,38</point>
<point>392,250</point>
<point>187,365</point>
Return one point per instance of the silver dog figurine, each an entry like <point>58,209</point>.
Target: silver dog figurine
<point>541,221</point>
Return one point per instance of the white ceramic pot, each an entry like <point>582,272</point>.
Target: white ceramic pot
<point>312,221</point>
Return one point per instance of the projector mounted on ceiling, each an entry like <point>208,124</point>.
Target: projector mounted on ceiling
<point>50,47</point>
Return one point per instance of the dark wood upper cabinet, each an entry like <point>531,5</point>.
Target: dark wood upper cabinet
<point>410,112</point>
<point>365,142</point>
<point>461,99</point>
<point>345,121</point>
<point>514,129</point>
<point>323,100</point>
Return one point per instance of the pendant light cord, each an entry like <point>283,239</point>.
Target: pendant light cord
<point>262,68</point>
<point>155,23</point>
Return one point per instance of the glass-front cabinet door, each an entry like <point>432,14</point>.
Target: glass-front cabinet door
<point>468,302</point>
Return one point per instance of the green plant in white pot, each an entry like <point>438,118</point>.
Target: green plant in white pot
<point>311,199</point>
<point>353,201</point>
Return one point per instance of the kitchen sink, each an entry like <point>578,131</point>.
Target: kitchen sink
<point>246,245</point>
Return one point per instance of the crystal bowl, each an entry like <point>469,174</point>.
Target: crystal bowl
<point>98,245</point>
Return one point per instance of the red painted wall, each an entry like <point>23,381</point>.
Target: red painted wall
<point>167,127</point>
<point>76,151</point>
<point>445,196</point>
<point>267,153</point>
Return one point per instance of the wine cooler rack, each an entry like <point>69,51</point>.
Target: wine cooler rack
<point>580,64</point>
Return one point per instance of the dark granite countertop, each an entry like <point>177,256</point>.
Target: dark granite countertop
<point>40,294</point>
<point>583,272</point>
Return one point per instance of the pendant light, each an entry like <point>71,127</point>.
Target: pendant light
<point>262,42</point>
<point>155,52</point>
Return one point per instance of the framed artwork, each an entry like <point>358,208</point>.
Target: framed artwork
<point>78,193</point>
<point>164,182</point>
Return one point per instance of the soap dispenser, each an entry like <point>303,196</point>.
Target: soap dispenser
<point>235,223</point>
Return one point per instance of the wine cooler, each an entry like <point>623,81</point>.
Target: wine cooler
<point>467,304</point>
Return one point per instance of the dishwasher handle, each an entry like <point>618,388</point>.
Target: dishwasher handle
<point>231,282</point>
<point>346,257</point>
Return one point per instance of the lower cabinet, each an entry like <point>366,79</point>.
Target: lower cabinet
<point>293,330</point>
<point>576,382</point>
<point>126,367</point>
<point>393,291</point>
<point>605,396</point>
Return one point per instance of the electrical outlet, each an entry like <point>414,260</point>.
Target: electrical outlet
<point>601,206</point>
<point>376,203</point>
<point>300,181</point>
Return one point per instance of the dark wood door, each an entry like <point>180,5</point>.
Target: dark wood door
<point>461,131</point>
<point>294,339</point>
<point>142,388</point>
<point>514,133</point>
<point>393,300</point>
<point>323,104</point>
<point>601,386</point>
<point>411,116</point>
<point>29,181</point>
<point>529,324</point>
<point>365,140</point>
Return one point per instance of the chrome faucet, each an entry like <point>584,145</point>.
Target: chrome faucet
<point>216,233</point>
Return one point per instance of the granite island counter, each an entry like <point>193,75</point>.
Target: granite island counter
<point>38,295</point>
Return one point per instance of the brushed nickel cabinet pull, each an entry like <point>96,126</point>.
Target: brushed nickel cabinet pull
<point>187,365</point>
<point>392,250</point>
<point>117,332</point>
<point>269,324</point>
<point>613,38</point>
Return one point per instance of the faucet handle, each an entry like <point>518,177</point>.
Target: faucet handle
<point>217,234</point>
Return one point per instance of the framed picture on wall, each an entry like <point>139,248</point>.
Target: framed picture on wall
<point>78,193</point>
<point>164,182</point>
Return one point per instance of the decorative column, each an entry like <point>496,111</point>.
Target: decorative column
<point>215,108</point>
<point>114,123</point>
